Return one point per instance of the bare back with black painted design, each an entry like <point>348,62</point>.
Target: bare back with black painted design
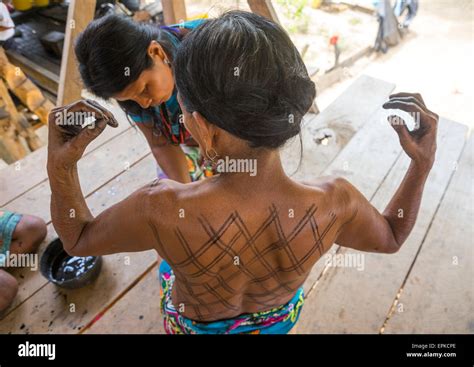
<point>234,256</point>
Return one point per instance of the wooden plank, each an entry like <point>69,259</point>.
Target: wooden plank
<point>348,300</point>
<point>342,118</point>
<point>102,165</point>
<point>96,169</point>
<point>47,308</point>
<point>264,8</point>
<point>130,315</point>
<point>56,310</point>
<point>174,11</point>
<point>31,170</point>
<point>79,14</point>
<point>30,281</point>
<point>438,296</point>
<point>365,167</point>
<point>336,74</point>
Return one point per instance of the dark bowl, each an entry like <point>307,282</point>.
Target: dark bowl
<point>68,271</point>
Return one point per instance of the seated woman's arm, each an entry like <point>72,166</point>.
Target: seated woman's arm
<point>365,228</point>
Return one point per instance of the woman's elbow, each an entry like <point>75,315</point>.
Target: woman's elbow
<point>391,249</point>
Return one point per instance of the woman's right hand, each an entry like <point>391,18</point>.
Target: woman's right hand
<point>419,144</point>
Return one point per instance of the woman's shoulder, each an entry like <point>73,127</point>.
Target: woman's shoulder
<point>333,190</point>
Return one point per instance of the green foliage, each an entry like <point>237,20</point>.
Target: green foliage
<point>294,12</point>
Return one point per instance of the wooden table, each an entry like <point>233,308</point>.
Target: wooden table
<point>426,287</point>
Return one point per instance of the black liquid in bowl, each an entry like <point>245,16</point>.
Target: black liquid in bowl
<point>68,271</point>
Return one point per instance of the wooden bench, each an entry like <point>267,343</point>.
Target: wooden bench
<point>362,148</point>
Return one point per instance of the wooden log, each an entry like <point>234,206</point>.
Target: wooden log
<point>11,148</point>
<point>18,120</point>
<point>24,89</point>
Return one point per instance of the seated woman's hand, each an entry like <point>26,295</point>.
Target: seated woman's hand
<point>419,144</point>
<point>73,127</point>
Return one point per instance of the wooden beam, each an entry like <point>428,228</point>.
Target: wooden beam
<point>174,11</point>
<point>79,14</point>
<point>263,8</point>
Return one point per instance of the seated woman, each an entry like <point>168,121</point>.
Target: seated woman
<point>137,73</point>
<point>19,234</point>
<point>237,247</point>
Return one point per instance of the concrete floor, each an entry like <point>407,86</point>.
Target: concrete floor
<point>434,59</point>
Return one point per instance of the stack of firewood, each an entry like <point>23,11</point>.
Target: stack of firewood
<point>17,136</point>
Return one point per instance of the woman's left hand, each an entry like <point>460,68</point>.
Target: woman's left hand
<point>73,127</point>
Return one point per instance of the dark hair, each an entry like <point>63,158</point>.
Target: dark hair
<point>242,73</point>
<point>110,45</point>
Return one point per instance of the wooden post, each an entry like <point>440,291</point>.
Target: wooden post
<point>174,11</point>
<point>79,14</point>
<point>263,8</point>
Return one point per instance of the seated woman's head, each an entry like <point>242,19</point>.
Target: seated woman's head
<point>129,61</point>
<point>240,76</point>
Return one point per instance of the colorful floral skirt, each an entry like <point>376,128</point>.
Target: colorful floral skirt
<point>279,320</point>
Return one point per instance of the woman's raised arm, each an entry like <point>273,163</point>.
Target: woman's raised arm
<point>365,228</point>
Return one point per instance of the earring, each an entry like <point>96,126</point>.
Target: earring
<point>214,154</point>
<point>166,62</point>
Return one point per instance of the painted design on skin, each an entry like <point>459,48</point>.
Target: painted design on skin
<point>283,243</point>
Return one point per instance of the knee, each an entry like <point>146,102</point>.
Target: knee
<point>29,233</point>
<point>8,289</point>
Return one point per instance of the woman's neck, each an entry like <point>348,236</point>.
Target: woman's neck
<point>250,169</point>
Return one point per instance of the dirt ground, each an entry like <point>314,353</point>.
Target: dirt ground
<point>435,59</point>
